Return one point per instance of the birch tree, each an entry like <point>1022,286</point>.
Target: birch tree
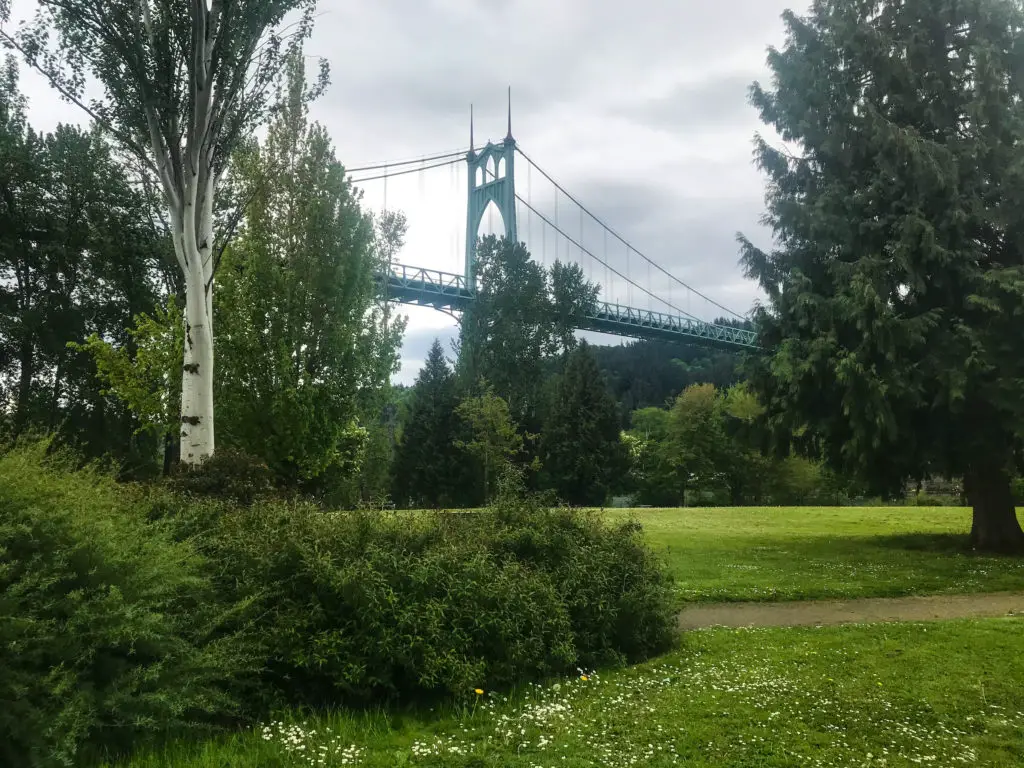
<point>183,81</point>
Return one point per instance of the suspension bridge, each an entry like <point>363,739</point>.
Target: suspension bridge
<point>491,185</point>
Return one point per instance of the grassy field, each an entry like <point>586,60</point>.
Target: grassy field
<point>884,695</point>
<point>788,553</point>
<point>941,694</point>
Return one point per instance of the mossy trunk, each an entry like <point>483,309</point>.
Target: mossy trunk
<point>995,527</point>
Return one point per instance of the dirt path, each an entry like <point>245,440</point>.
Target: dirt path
<point>814,612</point>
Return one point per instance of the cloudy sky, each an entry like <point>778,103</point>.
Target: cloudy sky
<point>637,108</point>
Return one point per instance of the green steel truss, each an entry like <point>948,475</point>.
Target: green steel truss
<point>449,292</point>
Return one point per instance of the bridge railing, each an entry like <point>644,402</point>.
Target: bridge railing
<point>442,282</point>
<point>646,318</point>
<point>447,290</point>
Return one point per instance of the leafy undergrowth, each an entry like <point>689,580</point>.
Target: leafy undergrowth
<point>793,553</point>
<point>939,694</point>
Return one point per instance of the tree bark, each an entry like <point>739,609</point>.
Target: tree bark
<point>995,527</point>
<point>194,249</point>
<point>197,436</point>
<point>26,361</point>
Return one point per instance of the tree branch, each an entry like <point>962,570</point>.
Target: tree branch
<point>69,96</point>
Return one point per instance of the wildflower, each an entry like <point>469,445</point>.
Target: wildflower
<point>584,678</point>
<point>478,691</point>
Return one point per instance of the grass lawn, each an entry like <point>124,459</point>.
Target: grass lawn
<point>940,694</point>
<point>788,553</point>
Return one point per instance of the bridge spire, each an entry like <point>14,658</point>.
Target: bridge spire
<point>472,146</point>
<point>491,179</point>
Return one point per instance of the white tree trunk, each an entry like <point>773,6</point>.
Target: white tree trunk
<point>197,433</point>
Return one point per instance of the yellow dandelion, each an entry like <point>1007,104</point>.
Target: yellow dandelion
<point>478,691</point>
<point>584,678</point>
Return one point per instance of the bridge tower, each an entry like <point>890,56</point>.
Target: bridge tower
<point>491,180</point>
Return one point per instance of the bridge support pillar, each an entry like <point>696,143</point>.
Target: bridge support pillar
<point>491,180</point>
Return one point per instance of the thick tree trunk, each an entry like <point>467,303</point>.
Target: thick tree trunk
<point>195,255</point>
<point>26,361</point>
<point>197,436</point>
<point>995,527</point>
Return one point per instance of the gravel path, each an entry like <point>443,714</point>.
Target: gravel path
<point>821,612</point>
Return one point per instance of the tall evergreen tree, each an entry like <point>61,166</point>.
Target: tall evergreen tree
<point>581,451</point>
<point>427,464</point>
<point>897,285</point>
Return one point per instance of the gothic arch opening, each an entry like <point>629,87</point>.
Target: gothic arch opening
<point>491,221</point>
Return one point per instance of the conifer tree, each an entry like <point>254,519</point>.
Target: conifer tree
<point>897,283</point>
<point>426,461</point>
<point>582,454</point>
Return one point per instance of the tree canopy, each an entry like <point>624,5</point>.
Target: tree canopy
<point>896,285</point>
<point>183,84</point>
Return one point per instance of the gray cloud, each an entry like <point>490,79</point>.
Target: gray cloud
<point>638,108</point>
<point>717,103</point>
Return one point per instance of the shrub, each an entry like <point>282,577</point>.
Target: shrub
<point>361,605</point>
<point>105,629</point>
<point>616,594</point>
<point>229,474</point>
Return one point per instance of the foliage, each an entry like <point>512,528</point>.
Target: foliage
<point>613,586</point>
<point>580,447</point>
<point>304,349</point>
<point>229,474</point>
<point>896,288</point>
<point>148,382</point>
<point>79,255</point>
<point>183,84</point>
<point>493,439</point>
<point>429,469</point>
<point>522,314</point>
<point>107,625</point>
<point>352,607</point>
<point>647,374</point>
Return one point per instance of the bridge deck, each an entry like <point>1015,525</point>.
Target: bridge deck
<point>448,291</point>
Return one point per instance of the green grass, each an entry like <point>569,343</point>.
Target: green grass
<point>788,553</point>
<point>941,694</point>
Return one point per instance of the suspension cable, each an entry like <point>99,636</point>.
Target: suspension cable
<point>394,164</point>
<point>572,240</point>
<point>622,239</point>
<point>407,170</point>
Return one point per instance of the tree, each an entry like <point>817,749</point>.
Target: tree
<point>184,83</point>
<point>897,284</point>
<point>142,374</point>
<point>79,255</point>
<point>428,466</point>
<point>581,450</point>
<point>521,315</point>
<point>494,440</point>
<point>697,443</point>
<point>305,352</point>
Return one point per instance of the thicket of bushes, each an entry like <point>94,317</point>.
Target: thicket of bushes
<point>127,610</point>
<point>108,626</point>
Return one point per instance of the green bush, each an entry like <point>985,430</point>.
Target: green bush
<point>106,631</point>
<point>229,475</point>
<point>359,606</point>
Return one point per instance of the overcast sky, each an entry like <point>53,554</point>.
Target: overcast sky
<point>638,108</point>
